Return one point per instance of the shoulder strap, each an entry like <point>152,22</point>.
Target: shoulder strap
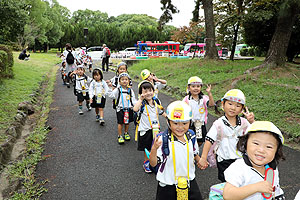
<point>130,95</point>
<point>193,136</point>
<point>118,99</point>
<point>186,99</point>
<point>165,144</point>
<point>218,124</point>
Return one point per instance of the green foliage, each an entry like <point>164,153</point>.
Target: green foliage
<point>27,76</point>
<point>244,52</point>
<point>6,62</point>
<point>276,103</point>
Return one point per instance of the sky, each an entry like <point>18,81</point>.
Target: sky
<point>149,7</point>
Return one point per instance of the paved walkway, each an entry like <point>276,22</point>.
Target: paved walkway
<point>84,160</point>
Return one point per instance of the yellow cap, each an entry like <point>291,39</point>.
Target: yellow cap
<point>145,74</point>
<point>179,111</point>
<point>235,95</point>
<point>265,126</point>
<point>195,80</point>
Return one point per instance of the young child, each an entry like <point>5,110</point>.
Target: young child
<point>199,103</point>
<point>121,68</point>
<point>176,169</point>
<point>97,91</point>
<point>125,101</point>
<point>70,59</point>
<point>149,109</point>
<point>63,72</point>
<point>81,87</point>
<point>158,83</point>
<point>262,148</point>
<point>225,131</point>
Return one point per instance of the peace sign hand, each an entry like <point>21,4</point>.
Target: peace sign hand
<point>249,115</point>
<point>208,89</point>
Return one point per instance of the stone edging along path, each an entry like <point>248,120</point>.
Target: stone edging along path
<point>13,147</point>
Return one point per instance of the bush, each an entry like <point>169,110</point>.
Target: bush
<point>251,51</point>
<point>6,62</point>
<point>244,52</point>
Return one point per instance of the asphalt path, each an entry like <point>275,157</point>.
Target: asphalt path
<point>84,161</point>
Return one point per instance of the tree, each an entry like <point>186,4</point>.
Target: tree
<point>211,49</point>
<point>288,13</point>
<point>14,16</point>
<point>210,40</point>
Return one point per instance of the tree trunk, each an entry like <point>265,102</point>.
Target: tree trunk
<point>276,55</point>
<point>236,30</point>
<point>210,40</point>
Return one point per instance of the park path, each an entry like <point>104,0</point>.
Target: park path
<point>84,161</point>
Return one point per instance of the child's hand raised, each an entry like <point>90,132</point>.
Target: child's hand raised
<point>157,142</point>
<point>249,115</point>
<point>208,89</point>
<point>142,97</point>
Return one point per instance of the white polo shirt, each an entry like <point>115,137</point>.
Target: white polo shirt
<point>166,177</point>
<point>98,88</point>
<point>125,96</point>
<point>144,121</point>
<point>227,148</point>
<point>199,107</point>
<point>82,81</point>
<point>241,173</point>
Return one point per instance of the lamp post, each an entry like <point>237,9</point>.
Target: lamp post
<point>85,33</point>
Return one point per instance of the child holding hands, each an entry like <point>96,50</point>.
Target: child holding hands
<point>149,108</point>
<point>262,149</point>
<point>81,87</point>
<point>173,153</point>
<point>125,101</point>
<point>225,132</point>
<point>98,89</point>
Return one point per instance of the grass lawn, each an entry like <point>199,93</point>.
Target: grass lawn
<point>28,75</point>
<point>264,96</point>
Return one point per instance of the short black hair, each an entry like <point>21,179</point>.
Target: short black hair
<point>96,72</point>
<point>242,146</point>
<point>145,85</point>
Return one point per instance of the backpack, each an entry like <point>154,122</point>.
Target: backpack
<point>116,102</point>
<point>137,115</point>
<point>107,53</point>
<point>70,58</point>
<point>216,191</point>
<point>211,156</point>
<point>75,91</point>
<point>166,150</point>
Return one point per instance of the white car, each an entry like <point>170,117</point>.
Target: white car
<point>95,52</point>
<point>129,51</point>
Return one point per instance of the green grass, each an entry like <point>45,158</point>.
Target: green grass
<point>268,102</point>
<point>28,75</point>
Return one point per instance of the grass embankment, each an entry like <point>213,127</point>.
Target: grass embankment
<point>265,94</point>
<point>28,76</point>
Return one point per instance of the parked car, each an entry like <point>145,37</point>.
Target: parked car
<point>95,52</point>
<point>129,51</point>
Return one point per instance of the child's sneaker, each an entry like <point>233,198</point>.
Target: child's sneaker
<point>101,122</point>
<point>97,118</point>
<point>120,139</point>
<point>127,136</point>
<point>88,107</point>
<point>68,85</point>
<point>146,166</point>
<point>80,112</point>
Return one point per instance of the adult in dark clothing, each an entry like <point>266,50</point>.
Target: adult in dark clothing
<point>105,57</point>
<point>23,55</point>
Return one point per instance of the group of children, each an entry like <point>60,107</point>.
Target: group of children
<point>244,149</point>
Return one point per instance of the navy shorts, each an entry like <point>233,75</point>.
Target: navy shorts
<point>145,141</point>
<point>94,104</point>
<point>120,116</point>
<point>81,98</point>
